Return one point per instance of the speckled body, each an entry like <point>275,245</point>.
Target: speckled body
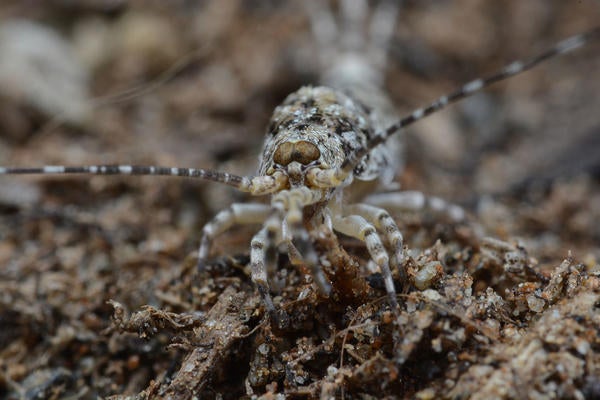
<point>336,124</point>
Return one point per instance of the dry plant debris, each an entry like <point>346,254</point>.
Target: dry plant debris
<point>99,295</point>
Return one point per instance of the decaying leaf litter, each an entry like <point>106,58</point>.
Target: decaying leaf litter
<point>480,317</point>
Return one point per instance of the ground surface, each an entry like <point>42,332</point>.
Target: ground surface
<point>99,294</point>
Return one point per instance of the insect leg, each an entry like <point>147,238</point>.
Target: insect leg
<point>358,227</point>
<point>411,200</point>
<point>258,255</point>
<point>381,30</point>
<point>323,26</point>
<point>383,221</point>
<point>291,203</point>
<point>354,14</point>
<point>235,214</point>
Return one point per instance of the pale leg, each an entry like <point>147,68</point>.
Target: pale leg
<point>411,200</point>
<point>235,214</point>
<point>258,252</point>
<point>358,227</point>
<point>382,220</point>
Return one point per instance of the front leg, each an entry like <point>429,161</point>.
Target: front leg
<point>258,255</point>
<point>291,204</point>
<point>234,214</point>
<point>358,227</point>
<point>383,221</point>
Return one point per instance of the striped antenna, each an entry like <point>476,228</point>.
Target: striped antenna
<point>205,174</point>
<point>255,185</point>
<point>466,90</point>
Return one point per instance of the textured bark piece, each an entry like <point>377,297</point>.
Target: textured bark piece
<point>224,327</point>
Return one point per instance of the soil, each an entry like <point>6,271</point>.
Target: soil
<point>100,296</point>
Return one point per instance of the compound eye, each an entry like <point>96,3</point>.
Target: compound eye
<point>303,152</point>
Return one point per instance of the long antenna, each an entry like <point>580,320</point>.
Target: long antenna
<point>256,185</point>
<point>512,69</point>
<point>333,177</point>
<point>206,174</point>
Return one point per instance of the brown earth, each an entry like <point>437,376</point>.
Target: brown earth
<point>99,291</point>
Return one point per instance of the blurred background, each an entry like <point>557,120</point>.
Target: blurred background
<point>193,84</point>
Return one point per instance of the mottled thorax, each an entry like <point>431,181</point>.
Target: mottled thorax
<point>314,124</point>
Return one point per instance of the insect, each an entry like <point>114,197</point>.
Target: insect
<point>319,141</point>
